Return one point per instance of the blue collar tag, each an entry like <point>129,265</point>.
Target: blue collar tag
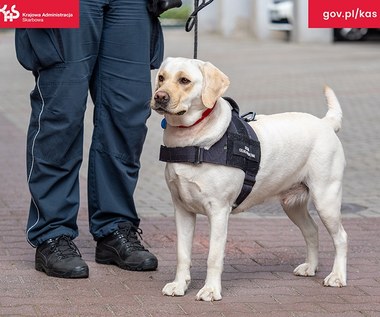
<point>163,123</point>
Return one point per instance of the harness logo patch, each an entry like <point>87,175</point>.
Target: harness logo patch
<point>247,152</point>
<point>39,14</point>
<point>246,149</point>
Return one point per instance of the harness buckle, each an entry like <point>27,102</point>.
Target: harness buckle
<point>249,116</point>
<point>198,155</point>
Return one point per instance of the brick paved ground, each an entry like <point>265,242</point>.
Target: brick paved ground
<point>263,245</point>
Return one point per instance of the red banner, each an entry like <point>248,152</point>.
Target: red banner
<point>344,13</point>
<point>39,13</point>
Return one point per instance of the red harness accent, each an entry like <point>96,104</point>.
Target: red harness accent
<point>204,115</point>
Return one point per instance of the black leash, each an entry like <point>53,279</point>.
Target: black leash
<point>192,21</point>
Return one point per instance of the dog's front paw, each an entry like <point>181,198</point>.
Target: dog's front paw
<point>209,294</point>
<point>335,280</point>
<point>305,269</point>
<point>175,289</point>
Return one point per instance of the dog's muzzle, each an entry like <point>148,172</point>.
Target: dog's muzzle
<point>161,103</point>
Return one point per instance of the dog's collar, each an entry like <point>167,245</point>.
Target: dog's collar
<point>205,114</point>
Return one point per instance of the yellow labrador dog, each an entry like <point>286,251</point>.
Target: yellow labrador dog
<point>301,158</point>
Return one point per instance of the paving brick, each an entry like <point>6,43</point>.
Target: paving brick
<point>289,307</point>
<point>18,310</point>
<point>345,314</point>
<point>349,307</point>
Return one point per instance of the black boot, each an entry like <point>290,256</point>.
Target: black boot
<point>60,257</point>
<point>123,248</point>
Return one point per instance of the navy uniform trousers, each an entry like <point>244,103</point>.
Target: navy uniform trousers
<point>110,55</point>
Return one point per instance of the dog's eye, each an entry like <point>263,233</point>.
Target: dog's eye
<point>161,78</point>
<point>184,81</point>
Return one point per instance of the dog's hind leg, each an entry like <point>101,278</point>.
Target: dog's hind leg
<point>327,200</point>
<point>294,202</point>
<point>185,223</point>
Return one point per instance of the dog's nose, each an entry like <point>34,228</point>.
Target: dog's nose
<point>162,98</point>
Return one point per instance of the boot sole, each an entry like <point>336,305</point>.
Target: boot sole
<point>81,272</point>
<point>146,265</point>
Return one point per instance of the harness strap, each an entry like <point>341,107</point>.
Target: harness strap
<point>233,104</point>
<point>187,154</point>
<point>250,167</point>
<point>195,154</point>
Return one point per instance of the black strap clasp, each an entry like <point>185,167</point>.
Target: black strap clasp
<point>249,116</point>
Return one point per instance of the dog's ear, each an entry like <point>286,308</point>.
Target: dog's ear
<point>215,83</point>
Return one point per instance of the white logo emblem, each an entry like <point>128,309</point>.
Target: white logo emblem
<point>10,15</point>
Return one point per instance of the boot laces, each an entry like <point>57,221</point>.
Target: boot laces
<point>64,247</point>
<point>129,235</point>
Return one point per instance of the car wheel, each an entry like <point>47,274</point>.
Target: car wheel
<point>350,34</point>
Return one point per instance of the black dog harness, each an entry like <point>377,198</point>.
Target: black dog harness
<point>239,147</point>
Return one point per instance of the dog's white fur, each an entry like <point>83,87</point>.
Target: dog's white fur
<point>301,157</point>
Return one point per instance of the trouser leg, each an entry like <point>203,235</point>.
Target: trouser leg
<point>55,135</point>
<point>121,90</point>
<point>54,155</point>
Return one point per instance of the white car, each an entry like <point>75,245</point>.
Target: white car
<point>281,11</point>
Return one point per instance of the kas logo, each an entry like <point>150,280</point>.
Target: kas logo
<point>10,15</point>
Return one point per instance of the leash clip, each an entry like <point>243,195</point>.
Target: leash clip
<point>249,116</point>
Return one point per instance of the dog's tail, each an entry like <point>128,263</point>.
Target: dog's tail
<point>334,114</point>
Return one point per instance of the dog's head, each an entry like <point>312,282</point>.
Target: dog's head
<point>184,88</point>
